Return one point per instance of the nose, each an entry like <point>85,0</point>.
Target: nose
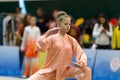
<point>68,26</point>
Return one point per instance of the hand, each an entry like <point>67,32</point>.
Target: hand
<point>36,50</point>
<point>52,30</point>
<point>103,31</point>
<point>22,51</point>
<point>77,65</point>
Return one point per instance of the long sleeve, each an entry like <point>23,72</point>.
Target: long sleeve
<point>43,43</point>
<point>38,33</point>
<point>78,53</point>
<point>110,32</point>
<point>96,31</point>
<point>5,21</point>
<point>4,26</point>
<point>24,39</point>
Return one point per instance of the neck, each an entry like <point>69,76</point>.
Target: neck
<point>32,25</point>
<point>61,32</point>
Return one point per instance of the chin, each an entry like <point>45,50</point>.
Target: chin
<point>67,31</point>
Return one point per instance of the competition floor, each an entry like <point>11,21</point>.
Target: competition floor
<point>10,78</point>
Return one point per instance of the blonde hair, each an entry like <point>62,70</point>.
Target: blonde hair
<point>61,15</point>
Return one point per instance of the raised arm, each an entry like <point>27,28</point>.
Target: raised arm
<point>44,41</point>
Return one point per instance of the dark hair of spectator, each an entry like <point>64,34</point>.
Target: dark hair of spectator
<point>106,24</point>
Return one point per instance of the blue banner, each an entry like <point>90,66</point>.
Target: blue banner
<point>107,65</point>
<point>9,61</point>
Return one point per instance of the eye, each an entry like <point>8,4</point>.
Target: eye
<point>70,24</point>
<point>65,24</point>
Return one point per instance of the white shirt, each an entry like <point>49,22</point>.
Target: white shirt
<point>102,38</point>
<point>5,23</point>
<point>30,33</point>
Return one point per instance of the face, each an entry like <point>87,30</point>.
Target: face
<point>18,18</point>
<point>33,21</point>
<point>18,10</point>
<point>39,12</point>
<point>55,14</point>
<point>65,25</point>
<point>28,18</point>
<point>102,20</point>
<point>119,21</point>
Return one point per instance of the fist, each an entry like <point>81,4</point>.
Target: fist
<point>77,65</point>
<point>103,31</point>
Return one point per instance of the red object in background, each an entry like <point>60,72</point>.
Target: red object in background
<point>114,21</point>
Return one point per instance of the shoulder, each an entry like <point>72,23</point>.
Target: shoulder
<point>52,37</point>
<point>72,38</point>
<point>37,27</point>
<point>96,25</point>
<point>27,27</point>
<point>117,27</point>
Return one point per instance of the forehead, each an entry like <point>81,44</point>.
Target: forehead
<point>102,18</point>
<point>66,19</point>
<point>33,18</point>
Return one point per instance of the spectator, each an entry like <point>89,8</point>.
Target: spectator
<point>102,32</point>
<point>18,12</point>
<point>52,22</point>
<point>27,20</point>
<point>42,20</point>
<point>31,33</point>
<point>18,38</point>
<point>116,37</point>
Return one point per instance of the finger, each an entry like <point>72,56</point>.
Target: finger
<point>76,64</point>
<point>56,28</point>
<point>73,62</point>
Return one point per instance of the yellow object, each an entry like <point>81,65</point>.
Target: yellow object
<point>42,58</point>
<point>86,38</point>
<point>79,21</point>
<point>73,32</point>
<point>116,38</point>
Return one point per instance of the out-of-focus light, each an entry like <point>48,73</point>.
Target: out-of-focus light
<point>22,5</point>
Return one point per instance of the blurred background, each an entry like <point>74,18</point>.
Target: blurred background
<point>103,52</point>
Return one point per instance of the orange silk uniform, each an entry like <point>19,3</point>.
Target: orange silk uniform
<point>60,48</point>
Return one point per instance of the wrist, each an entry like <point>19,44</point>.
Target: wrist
<point>47,34</point>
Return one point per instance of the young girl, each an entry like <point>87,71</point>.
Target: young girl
<point>60,48</point>
<point>31,33</point>
<point>102,32</point>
